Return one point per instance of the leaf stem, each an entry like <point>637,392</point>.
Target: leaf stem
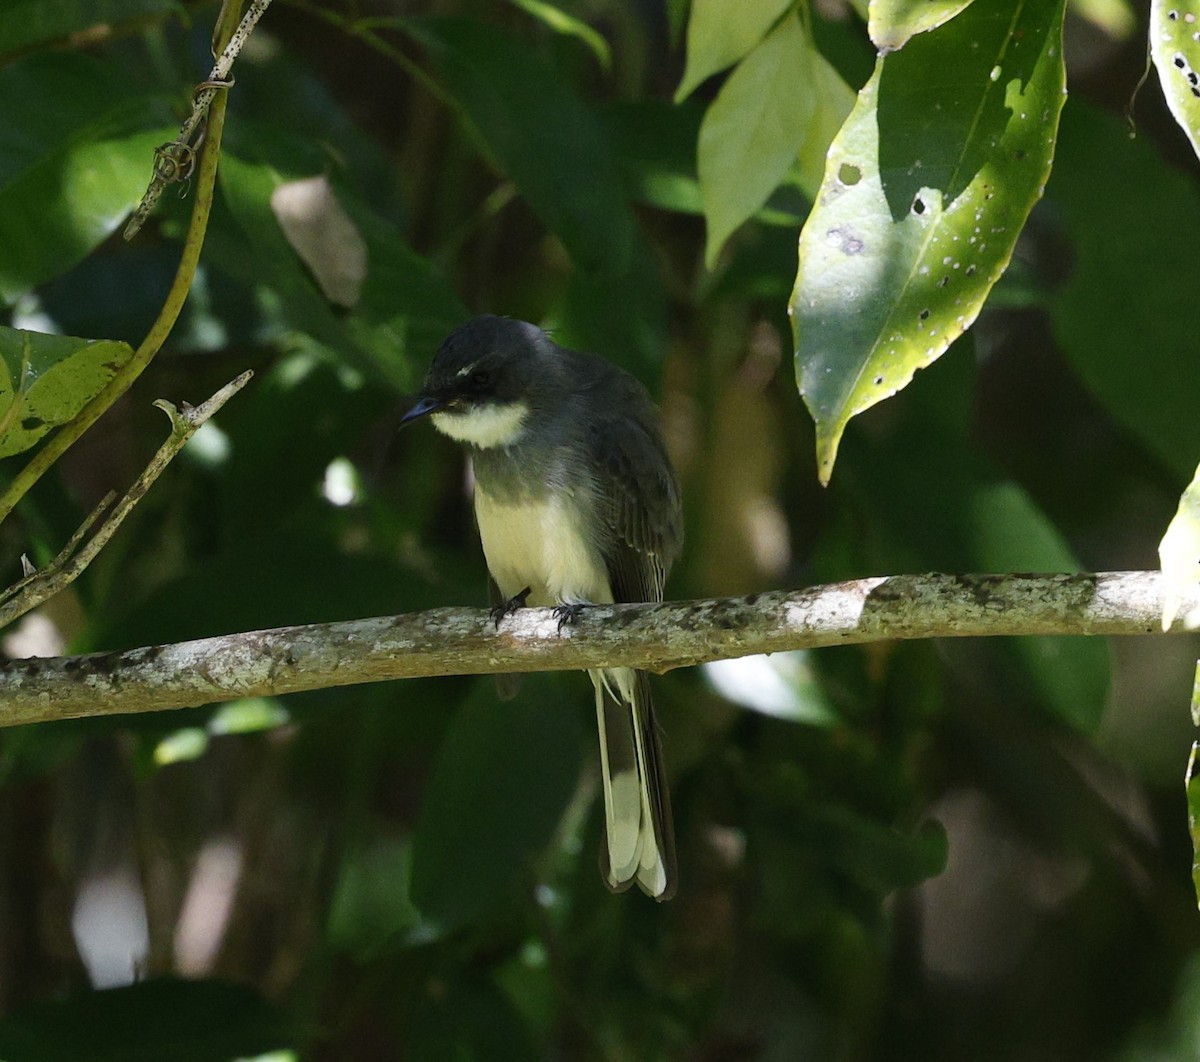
<point>206,176</point>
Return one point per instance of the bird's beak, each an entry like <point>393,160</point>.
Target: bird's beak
<point>422,407</point>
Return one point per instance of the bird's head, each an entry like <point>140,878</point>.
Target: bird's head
<point>483,379</point>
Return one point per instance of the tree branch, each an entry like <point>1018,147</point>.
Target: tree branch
<point>458,641</point>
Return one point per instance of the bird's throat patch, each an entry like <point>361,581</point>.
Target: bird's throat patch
<point>485,426</point>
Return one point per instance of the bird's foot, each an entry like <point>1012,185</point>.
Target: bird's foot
<point>510,606</point>
<point>568,614</point>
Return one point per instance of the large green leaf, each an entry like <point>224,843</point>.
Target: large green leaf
<point>499,786</point>
<point>720,33</point>
<point>892,22</point>
<point>185,1021</point>
<point>1175,49</point>
<point>783,101</point>
<point>538,132</point>
<point>45,380</point>
<point>1127,317</point>
<point>76,151</point>
<point>24,23</point>
<point>926,190</point>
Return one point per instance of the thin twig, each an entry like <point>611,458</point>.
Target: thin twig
<point>69,433</point>
<point>174,162</point>
<point>66,568</point>
<point>655,637</point>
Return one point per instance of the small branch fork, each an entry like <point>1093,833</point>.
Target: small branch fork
<point>456,641</point>
<point>38,586</point>
<point>175,162</point>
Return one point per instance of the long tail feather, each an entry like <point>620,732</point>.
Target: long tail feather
<point>639,843</point>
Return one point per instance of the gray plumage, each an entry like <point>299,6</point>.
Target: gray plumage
<point>576,501</point>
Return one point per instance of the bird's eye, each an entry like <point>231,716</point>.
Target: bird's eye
<point>480,378</point>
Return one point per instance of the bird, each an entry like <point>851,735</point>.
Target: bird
<point>577,503</point>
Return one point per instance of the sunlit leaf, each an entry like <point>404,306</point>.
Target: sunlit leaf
<point>720,33</point>
<point>783,101</point>
<point>926,190</point>
<point>1115,18</point>
<point>73,162</point>
<point>892,22</point>
<point>181,746</point>
<point>248,715</point>
<point>45,380</point>
<point>1175,49</point>
<point>1179,553</point>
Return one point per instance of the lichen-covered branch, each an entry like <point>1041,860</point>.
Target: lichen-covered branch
<point>457,641</point>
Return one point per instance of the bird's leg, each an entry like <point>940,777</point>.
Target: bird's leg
<point>510,606</point>
<point>568,613</point>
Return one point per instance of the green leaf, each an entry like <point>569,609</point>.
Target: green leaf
<point>1179,552</point>
<point>24,23</point>
<point>568,25</point>
<point>1175,49</point>
<point>185,1021</point>
<point>892,22</point>
<point>76,152</point>
<point>181,746</point>
<point>720,33</point>
<point>783,101</point>
<point>248,715</point>
<point>45,380</point>
<point>926,189</point>
<point>655,144</point>
<point>499,786</point>
<point>538,132</point>
<point>1192,790</point>
<point>1127,316</point>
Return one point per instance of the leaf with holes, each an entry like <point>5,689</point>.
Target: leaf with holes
<point>892,23</point>
<point>1179,553</point>
<point>926,189</point>
<point>720,33</point>
<point>783,102</point>
<point>45,380</point>
<point>1175,49</point>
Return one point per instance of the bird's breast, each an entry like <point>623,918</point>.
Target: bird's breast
<point>542,542</point>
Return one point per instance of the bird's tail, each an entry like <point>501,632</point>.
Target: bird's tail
<point>639,837</point>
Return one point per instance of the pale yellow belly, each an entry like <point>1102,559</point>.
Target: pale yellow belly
<point>539,546</point>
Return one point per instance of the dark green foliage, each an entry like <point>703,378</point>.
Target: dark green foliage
<point>944,851</point>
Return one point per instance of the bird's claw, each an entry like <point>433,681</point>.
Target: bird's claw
<point>510,606</point>
<point>567,615</point>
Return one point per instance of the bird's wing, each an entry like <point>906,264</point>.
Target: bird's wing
<point>641,495</point>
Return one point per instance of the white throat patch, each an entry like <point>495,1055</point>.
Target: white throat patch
<point>484,426</point>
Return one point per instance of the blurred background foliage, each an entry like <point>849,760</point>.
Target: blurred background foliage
<point>938,851</point>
